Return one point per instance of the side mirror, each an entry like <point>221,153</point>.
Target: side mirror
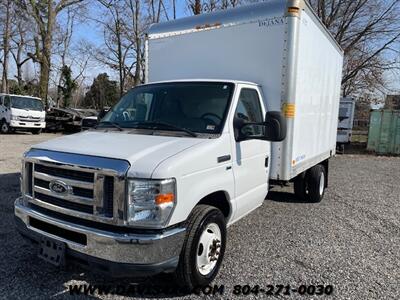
<point>275,126</point>
<point>273,129</point>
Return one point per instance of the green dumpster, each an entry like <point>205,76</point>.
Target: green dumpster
<point>384,132</point>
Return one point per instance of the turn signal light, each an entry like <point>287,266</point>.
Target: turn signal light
<point>164,198</point>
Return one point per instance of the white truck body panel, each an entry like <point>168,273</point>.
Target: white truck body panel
<point>296,63</point>
<point>346,119</point>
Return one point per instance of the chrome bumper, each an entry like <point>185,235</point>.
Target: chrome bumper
<point>140,249</point>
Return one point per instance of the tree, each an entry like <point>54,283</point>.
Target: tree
<point>103,92</point>
<point>67,86</point>
<point>45,12</point>
<point>124,29</point>
<point>6,43</point>
<point>369,33</point>
<point>21,41</point>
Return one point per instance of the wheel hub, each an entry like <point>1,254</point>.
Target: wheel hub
<point>208,249</point>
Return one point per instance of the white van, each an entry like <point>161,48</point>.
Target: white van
<point>235,102</point>
<point>19,112</point>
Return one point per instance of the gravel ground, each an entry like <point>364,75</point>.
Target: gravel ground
<point>351,240</point>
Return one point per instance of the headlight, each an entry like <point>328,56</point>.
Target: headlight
<point>42,119</point>
<point>15,118</point>
<point>151,202</point>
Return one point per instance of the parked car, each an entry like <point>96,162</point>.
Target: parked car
<point>67,119</point>
<point>18,112</point>
<point>92,121</point>
<point>179,159</point>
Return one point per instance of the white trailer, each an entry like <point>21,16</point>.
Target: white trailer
<point>346,119</point>
<point>296,62</point>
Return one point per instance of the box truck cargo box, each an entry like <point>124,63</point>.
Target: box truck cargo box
<point>281,46</point>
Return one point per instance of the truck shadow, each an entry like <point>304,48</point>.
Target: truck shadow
<point>23,271</point>
<point>283,197</point>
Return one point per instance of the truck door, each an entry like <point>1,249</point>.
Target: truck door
<point>250,157</point>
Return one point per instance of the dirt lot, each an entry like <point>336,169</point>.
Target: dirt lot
<point>351,240</point>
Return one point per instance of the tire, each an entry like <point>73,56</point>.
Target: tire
<point>300,186</point>
<point>316,183</point>
<point>36,131</point>
<point>4,127</point>
<point>201,241</point>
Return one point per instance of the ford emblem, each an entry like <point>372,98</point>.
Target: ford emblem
<point>58,187</point>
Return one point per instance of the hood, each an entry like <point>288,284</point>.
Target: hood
<point>143,152</point>
<point>27,113</point>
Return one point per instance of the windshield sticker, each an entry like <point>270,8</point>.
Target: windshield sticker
<point>210,127</point>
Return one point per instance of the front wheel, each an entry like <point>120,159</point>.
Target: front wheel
<point>203,248</point>
<point>4,127</point>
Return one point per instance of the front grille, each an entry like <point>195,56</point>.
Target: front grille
<point>31,119</point>
<point>29,170</point>
<point>108,195</point>
<point>65,173</point>
<point>65,204</point>
<point>80,186</point>
<point>88,123</point>
<point>77,191</point>
<point>80,190</point>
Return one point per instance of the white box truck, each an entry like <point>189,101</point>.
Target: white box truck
<point>234,102</point>
<point>18,112</point>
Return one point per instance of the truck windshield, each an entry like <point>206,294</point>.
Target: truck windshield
<point>26,103</point>
<point>191,107</point>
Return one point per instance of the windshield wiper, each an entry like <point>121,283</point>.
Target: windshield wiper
<point>110,123</point>
<point>156,124</point>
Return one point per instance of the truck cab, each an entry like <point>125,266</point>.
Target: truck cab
<point>19,112</point>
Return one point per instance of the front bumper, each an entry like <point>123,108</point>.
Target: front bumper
<point>27,125</point>
<point>116,253</point>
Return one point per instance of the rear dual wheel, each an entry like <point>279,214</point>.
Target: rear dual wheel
<point>310,185</point>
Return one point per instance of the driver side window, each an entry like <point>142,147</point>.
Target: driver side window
<point>248,110</point>
<point>7,101</point>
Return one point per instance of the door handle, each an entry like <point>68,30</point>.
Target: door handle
<point>267,161</point>
<point>223,158</point>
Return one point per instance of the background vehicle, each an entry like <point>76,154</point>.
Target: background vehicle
<point>346,119</point>
<point>19,112</point>
<point>92,121</point>
<point>178,160</point>
<point>67,119</point>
